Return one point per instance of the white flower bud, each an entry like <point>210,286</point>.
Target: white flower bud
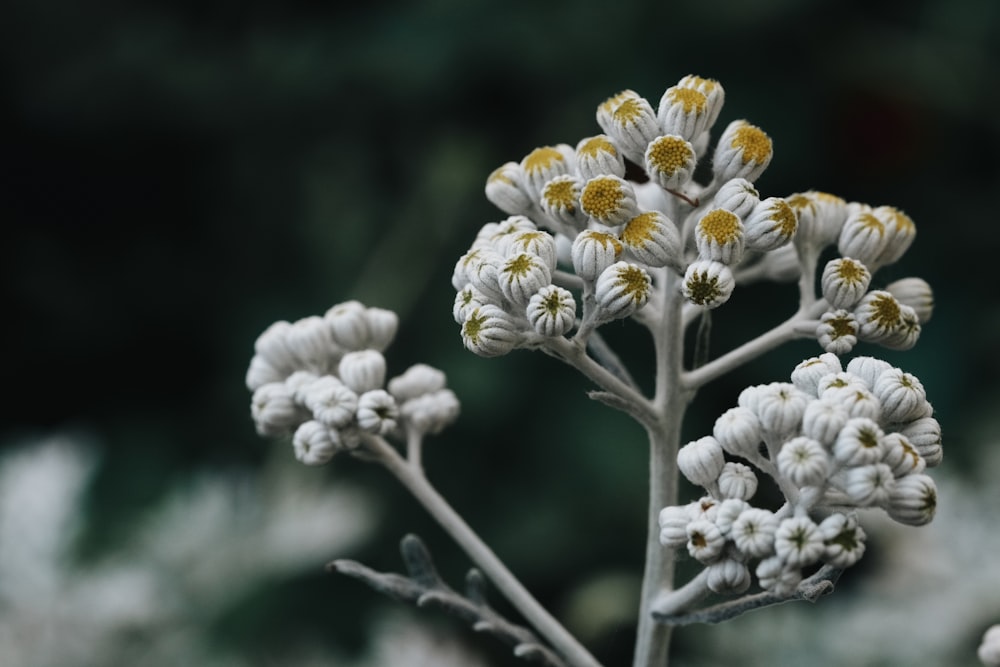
<point>382,327</point>
<point>673,522</point>
<point>540,166</point>
<point>738,431</point>
<point>777,576</point>
<point>560,200</point>
<point>806,374</point>
<point>915,293</point>
<point>901,394</point>
<point>804,462</point>
<point>670,161</point>
<point>683,111</point>
<point>925,436</point>
<point>753,532</point>
<point>417,380</point>
<point>843,538</point>
<point>837,331</point>
<point>490,332</point>
<point>913,500</point>
<point>362,370</point>
<point>821,217</point>
<point>610,200</point>
<point>869,485</point>
<point>705,542</point>
<point>482,268</point>
<point>859,443</point>
<point>466,300</point>
<point>714,94</point>
<point>539,243</point>
<point>899,231</point>
<point>719,236</point>
<point>743,151</point>
<point>879,316</point>
<point>862,237</point>
<point>708,283</point>
<point>261,372</point>
<point>331,401</point>
<point>620,290</point>
<point>770,225</point>
<point>552,311</point>
<point>593,252</point>
<point>377,412</point>
<point>597,156</point>
<point>508,229</point>
<point>314,443</point>
<point>867,369</point>
<point>858,400</point>
<point>272,347</point>
<point>798,542</point>
<point>606,109</point>
<point>728,577</point>
<point>780,407</point>
<point>904,336</point>
<point>844,282</point>
<point>348,325</point>
<point>738,196</point>
<point>781,265</point>
<point>299,383</point>
<point>431,412</point>
<point>652,239</point>
<point>737,481</point>
<point>633,125</point>
<point>506,191</point>
<point>522,276</point>
<point>901,456</point>
<point>823,420</point>
<point>989,649</point>
<point>729,510</point>
<point>274,410</point>
<point>701,461</point>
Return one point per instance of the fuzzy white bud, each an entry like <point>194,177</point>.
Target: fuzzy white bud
<point>743,151</point>
<point>593,252</point>
<point>489,331</point>
<point>620,290</point>
<point>314,443</point>
<point>362,370</point>
<point>701,461</point>
<point>770,225</point>
<point>552,311</point>
<point>708,283</point>
<point>416,380</point>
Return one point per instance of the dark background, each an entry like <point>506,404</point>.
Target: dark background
<point>174,176</point>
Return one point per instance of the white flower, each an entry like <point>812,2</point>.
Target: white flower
<point>901,394</point>
<point>670,161</point>
<point>522,276</point>
<point>728,577</point>
<point>844,282</point>
<point>780,407</point>
<point>913,500</point>
<point>863,237</point>
<point>560,200</point>
<point>430,412</point>
<point>844,540</point>
<point>621,289</point>
<point>315,443</point>
<point>540,166</point>
<point>915,293</point>
<point>652,239</point>
<point>798,542</point>
<point>837,331</point>
<point>377,412</point>
<point>737,481</point>
<point>610,200</point>
<point>330,401</point>
<point>552,311</point>
<point>489,331</point>
<point>708,283</point>
<point>683,111</point>
<point>807,373</point>
<point>673,522</point>
<point>362,370</point>
<point>632,124</point>
<point>705,541</point>
<point>869,485</point>
<point>823,420</point>
<point>777,576</point>
<point>859,443</point>
<point>348,325</point>
<point>743,151</point>
<point>770,225</point>
<point>804,462</point>
<point>737,195</point>
<point>593,252</point>
<point>901,456</point>
<point>274,410</point>
<point>753,532</point>
<point>382,327</point>
<point>738,431</point>
<point>417,380</point>
<point>701,461</point>
<point>925,436</point>
<point>596,156</point>
<point>989,649</point>
<point>719,236</point>
<point>505,189</point>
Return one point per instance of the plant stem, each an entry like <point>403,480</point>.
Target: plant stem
<point>652,645</point>
<point>547,626</point>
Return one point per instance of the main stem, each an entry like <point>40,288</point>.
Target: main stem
<point>670,400</point>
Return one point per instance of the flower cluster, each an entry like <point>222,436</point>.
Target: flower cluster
<point>323,381</point>
<point>834,440</point>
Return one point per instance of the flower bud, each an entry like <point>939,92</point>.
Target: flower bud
<point>362,370</point>
<point>431,412</point>
<point>552,311</point>
<point>598,156</point>
<point>708,283</point>
<point>843,538</point>
<point>593,252</point>
<point>673,522</point>
<point>522,276</point>
<point>714,94</point>
<point>902,395</point>
<point>490,332</point>
<point>261,372</point>
<point>807,374</point>
<point>804,462</point>
<point>377,412</point>
<point>314,443</point>
<point>863,237</point>
<point>879,315</point>
<point>737,481</point>
<point>560,200</point>
<point>901,456</point>
<point>348,325</point>
<point>620,290</point>
<point>837,331</point>
<point>610,200</point>
<point>274,410</point>
<point>382,327</point>
<point>743,151</point>
<point>753,532</point>
<point>859,443</point>
<point>652,239</point>
<point>505,189</point>
<point>720,236</point>
<point>844,282</point>
<point>738,431</point>
<point>416,380</point>
<point>633,125</point>
<point>869,485</point>
<point>728,577</point>
<point>540,166</point>
<point>466,299</point>
<point>738,196</point>
<point>913,500</point>
<point>684,112</point>
<point>538,243</point>
<point>670,161</point>
<point>777,576</point>
<point>823,420</point>
<point>331,402</point>
<point>899,231</point>
<point>925,436</point>
<point>798,542</point>
<point>867,369</point>
<point>770,225</point>
<point>705,541</point>
<point>701,461</point>
<point>780,407</point>
<point>915,293</point>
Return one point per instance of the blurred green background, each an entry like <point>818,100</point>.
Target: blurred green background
<point>174,176</point>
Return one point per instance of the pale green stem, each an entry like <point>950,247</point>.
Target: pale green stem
<point>413,479</point>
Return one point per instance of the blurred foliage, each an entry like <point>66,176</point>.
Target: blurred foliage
<point>174,176</point>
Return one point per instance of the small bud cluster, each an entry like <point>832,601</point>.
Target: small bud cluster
<point>322,380</point>
<point>834,440</point>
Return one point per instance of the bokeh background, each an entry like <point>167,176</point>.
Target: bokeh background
<point>174,176</point>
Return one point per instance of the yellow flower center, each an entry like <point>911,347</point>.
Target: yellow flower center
<point>561,194</point>
<point>669,153</point>
<point>634,283</point>
<point>784,218</point>
<point>519,266</point>
<point>541,159</point>
<point>885,310</point>
<point>720,225</point>
<point>843,326</point>
<point>499,175</point>
<point>689,99</point>
<point>602,197</point>
<point>754,145</point>
<point>594,146</point>
<point>628,111</point>
<point>473,325</point>
<point>703,289</point>
<point>640,229</point>
<point>851,271</point>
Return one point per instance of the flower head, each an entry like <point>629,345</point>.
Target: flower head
<point>609,199</point>
<point>770,225</point>
<point>552,311</point>
<point>621,289</point>
<point>652,239</point>
<point>670,161</point>
<point>720,236</point>
<point>708,283</point>
<point>489,331</point>
<point>743,151</point>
